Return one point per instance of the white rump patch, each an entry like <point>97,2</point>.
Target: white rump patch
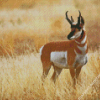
<point>41,50</point>
<point>59,59</point>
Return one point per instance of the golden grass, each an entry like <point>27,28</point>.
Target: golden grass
<point>23,31</point>
<point>17,43</point>
<point>20,78</point>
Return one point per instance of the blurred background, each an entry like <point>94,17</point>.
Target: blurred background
<point>26,25</point>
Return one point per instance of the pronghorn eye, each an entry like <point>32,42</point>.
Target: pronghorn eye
<point>79,28</point>
<point>73,26</point>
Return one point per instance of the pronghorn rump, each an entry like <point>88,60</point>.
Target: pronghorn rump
<point>65,54</point>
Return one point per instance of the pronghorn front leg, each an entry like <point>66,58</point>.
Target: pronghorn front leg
<point>72,72</point>
<point>56,73</point>
<point>78,70</point>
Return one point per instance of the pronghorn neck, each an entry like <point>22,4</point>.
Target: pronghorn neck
<point>82,38</point>
<point>81,43</point>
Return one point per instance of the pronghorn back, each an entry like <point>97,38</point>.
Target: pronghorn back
<point>54,50</point>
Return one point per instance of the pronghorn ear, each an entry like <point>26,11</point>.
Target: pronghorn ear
<point>82,20</point>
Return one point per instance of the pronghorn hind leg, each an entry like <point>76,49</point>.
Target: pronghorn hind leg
<point>56,73</point>
<point>46,68</point>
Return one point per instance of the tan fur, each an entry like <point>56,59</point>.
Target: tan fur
<point>68,46</point>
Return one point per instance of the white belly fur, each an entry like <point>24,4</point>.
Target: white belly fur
<point>59,59</point>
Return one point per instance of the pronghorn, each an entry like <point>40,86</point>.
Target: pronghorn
<point>70,54</point>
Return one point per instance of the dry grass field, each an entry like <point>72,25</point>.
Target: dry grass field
<point>27,25</point>
<point>20,79</point>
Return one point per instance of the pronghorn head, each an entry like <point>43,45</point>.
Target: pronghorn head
<point>76,28</point>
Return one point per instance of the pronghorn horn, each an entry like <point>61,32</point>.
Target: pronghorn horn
<point>79,14</point>
<point>68,18</point>
<point>79,17</point>
<point>72,19</point>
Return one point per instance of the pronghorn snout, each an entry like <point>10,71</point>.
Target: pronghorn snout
<point>70,35</point>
